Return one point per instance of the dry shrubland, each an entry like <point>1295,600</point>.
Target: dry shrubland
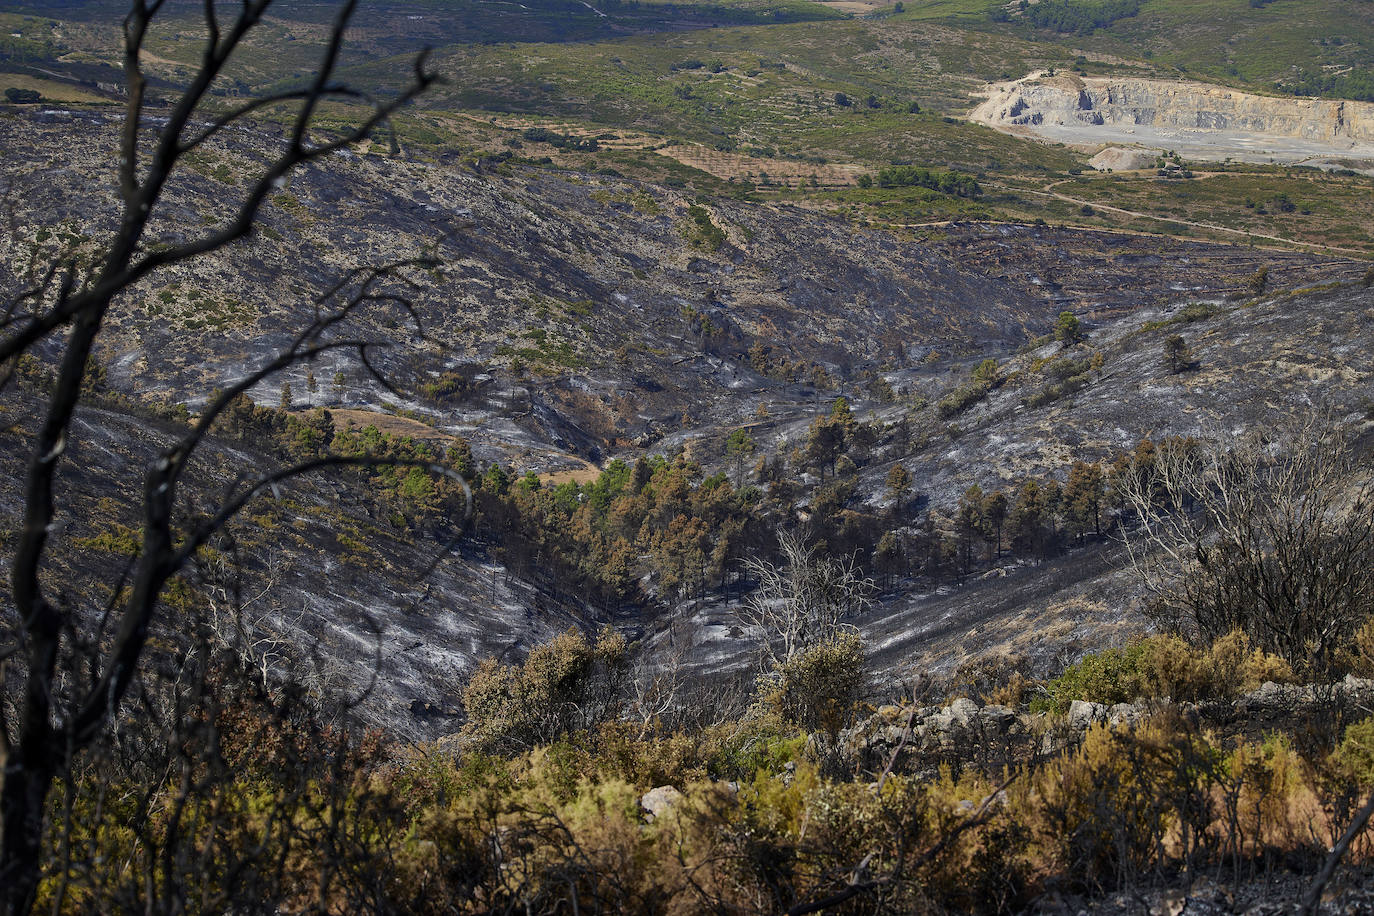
<point>261,805</point>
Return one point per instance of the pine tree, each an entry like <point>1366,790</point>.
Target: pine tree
<point>1068,330</point>
<point>898,482</point>
<point>1083,497</point>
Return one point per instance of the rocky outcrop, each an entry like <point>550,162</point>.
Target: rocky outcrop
<point>1195,116</point>
<point>994,734</point>
<point>933,734</point>
<point>1176,104</point>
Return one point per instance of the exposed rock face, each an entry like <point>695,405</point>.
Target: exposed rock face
<point>1199,120</point>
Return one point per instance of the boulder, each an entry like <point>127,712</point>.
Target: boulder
<point>1356,688</point>
<point>998,719</point>
<point>659,800</point>
<point>962,712</point>
<point>1273,697</point>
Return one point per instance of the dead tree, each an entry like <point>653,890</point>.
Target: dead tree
<point>1271,534</point>
<point>57,717</point>
<point>802,600</point>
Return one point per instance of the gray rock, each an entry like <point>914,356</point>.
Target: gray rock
<point>1356,687</point>
<point>1083,714</point>
<point>659,800</point>
<point>998,718</point>
<point>1272,696</point>
<point>963,712</point>
<point>940,723</point>
<point>892,735</point>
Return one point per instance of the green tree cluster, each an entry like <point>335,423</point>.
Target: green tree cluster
<point>1079,17</point>
<point>591,537</point>
<point>22,96</point>
<point>559,140</point>
<point>944,181</point>
<point>829,436</point>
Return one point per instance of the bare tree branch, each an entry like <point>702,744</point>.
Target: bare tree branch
<point>55,721</point>
<point>803,599</point>
<point>1313,897</point>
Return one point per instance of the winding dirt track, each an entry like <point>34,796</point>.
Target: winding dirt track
<point>1315,246</point>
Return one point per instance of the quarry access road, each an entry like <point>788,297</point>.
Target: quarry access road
<point>1315,246</point>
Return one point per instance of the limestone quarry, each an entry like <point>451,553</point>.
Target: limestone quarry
<point>1195,120</point>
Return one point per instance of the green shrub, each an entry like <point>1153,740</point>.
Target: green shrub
<point>119,539</point>
<point>1358,657</point>
<point>704,233</point>
<point>565,684</point>
<point>1354,758</point>
<point>817,688</point>
<point>982,379</point>
<point>961,399</point>
<point>1105,812</point>
<point>1165,666</point>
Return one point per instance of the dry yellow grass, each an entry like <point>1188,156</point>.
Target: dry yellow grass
<point>585,474</point>
<point>345,418</point>
<point>51,90</point>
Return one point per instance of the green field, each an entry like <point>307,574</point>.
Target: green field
<point>1226,41</point>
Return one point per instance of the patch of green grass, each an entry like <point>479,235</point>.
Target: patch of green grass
<point>547,356</point>
<point>702,232</point>
<point>1193,311</point>
<point>1258,45</point>
<point>1301,204</point>
<point>117,539</point>
<point>899,205</point>
<point>775,89</point>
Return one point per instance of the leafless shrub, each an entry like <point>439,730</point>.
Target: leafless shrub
<point>1271,534</point>
<point>803,600</point>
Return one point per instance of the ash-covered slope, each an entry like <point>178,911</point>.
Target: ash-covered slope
<point>600,310</point>
<point>588,314</point>
<point>331,592</point>
<point>1255,361</point>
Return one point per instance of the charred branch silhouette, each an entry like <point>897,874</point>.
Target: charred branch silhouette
<point>73,679</point>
